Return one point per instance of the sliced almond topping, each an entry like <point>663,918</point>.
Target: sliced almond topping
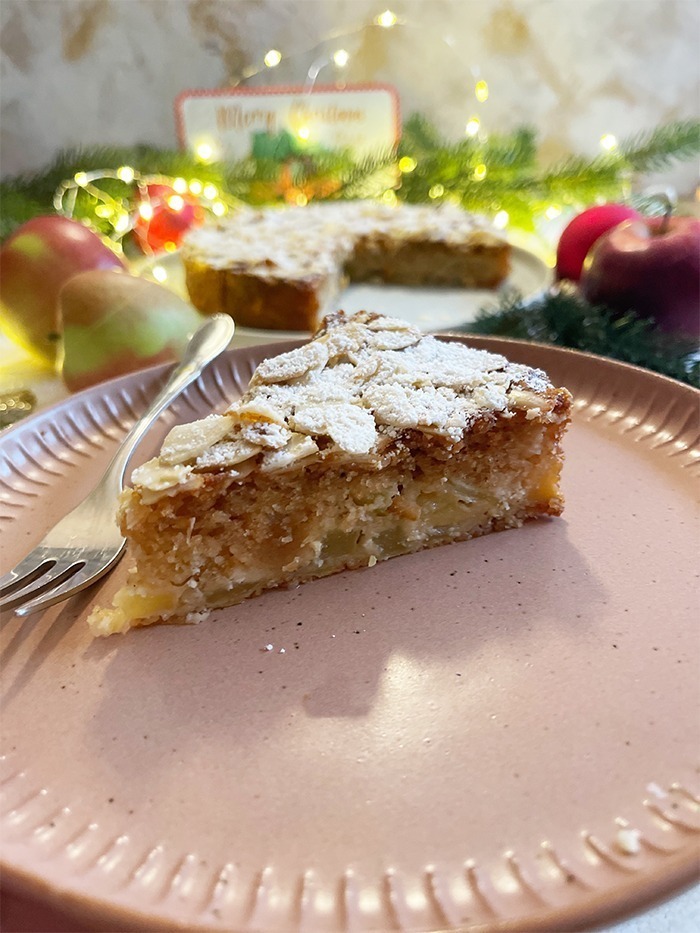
<point>257,410</point>
<point>266,434</point>
<point>157,476</point>
<point>189,441</point>
<point>350,426</point>
<point>524,398</point>
<point>395,339</point>
<point>299,447</point>
<point>390,323</point>
<point>227,454</point>
<point>291,365</point>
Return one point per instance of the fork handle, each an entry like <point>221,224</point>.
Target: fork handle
<point>206,344</point>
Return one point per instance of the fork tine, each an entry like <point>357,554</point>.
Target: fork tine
<point>55,577</point>
<point>81,580</point>
<point>72,585</point>
<point>28,570</point>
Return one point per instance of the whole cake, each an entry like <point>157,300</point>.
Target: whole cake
<point>370,441</point>
<point>280,268</point>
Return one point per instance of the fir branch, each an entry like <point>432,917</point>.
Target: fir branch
<point>567,320</point>
<point>574,177</point>
<point>145,159</point>
<point>418,136</point>
<point>443,170</point>
<point>514,153</point>
<point>658,148</point>
<point>369,178</point>
<point>16,208</point>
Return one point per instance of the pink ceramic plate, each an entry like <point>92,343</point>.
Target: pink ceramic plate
<point>499,733</point>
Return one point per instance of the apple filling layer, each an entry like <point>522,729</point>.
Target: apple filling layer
<point>280,490</point>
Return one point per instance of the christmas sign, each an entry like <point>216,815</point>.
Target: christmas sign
<point>280,122</point>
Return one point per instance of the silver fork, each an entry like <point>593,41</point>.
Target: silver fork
<point>87,543</point>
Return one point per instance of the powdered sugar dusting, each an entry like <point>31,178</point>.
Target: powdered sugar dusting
<point>350,426</point>
<point>315,241</point>
<point>228,453</point>
<point>362,378</point>
<point>292,365</point>
<point>381,371</point>
<point>187,441</point>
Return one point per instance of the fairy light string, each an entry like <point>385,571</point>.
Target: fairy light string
<point>86,196</point>
<point>491,174</point>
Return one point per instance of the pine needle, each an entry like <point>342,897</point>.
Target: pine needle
<point>567,320</point>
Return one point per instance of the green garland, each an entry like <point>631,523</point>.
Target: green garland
<point>497,174</point>
<point>563,318</point>
<point>500,173</point>
<point>515,183</point>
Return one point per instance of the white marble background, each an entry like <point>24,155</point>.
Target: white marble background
<point>83,72</point>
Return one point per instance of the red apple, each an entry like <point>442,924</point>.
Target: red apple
<point>650,266</point>
<point>582,232</point>
<point>35,261</point>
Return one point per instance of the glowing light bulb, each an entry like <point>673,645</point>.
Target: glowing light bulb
<point>407,164</point>
<point>341,58</point>
<point>210,192</point>
<point>80,178</point>
<point>389,197</point>
<point>121,224</point>
<point>196,186</point>
<point>180,185</point>
<point>387,19</point>
<point>472,127</point>
<point>219,208</point>
<point>480,172</point>
<point>436,191</point>
<point>301,199</point>
<point>145,211</point>
<point>552,212</point>
<point>273,58</point>
<point>102,210</point>
<point>500,221</point>
<point>126,174</point>
<point>204,152</point>
<point>159,273</point>
<point>608,142</point>
<point>175,202</point>
<point>481,91</point>
<point>169,246</point>
<point>303,132</point>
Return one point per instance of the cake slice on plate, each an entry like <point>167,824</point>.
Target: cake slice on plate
<point>370,441</point>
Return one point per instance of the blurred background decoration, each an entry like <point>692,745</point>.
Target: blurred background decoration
<point>506,110</point>
<point>578,73</point>
<point>159,194</point>
<point>526,111</point>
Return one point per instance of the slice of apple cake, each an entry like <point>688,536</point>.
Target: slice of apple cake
<point>370,441</point>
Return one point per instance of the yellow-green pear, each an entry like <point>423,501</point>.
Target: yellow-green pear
<point>116,323</point>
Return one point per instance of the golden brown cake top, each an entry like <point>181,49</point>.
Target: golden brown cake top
<point>294,242</point>
<point>362,381</point>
